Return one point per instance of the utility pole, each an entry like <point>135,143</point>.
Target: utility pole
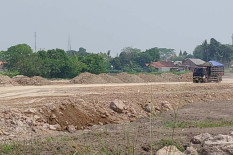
<point>69,44</point>
<point>35,41</point>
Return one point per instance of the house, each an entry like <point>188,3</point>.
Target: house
<point>163,66</point>
<point>190,63</point>
<point>1,65</point>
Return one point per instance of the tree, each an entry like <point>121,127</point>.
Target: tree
<point>72,53</point>
<point>143,58</point>
<point>128,55</point>
<point>214,51</point>
<point>57,64</point>
<point>108,53</point>
<point>154,54</point>
<point>106,60</point>
<point>2,55</point>
<point>82,52</point>
<point>198,52</point>
<point>94,64</point>
<point>185,53</point>
<point>17,57</point>
<point>116,63</point>
<point>165,53</point>
<point>180,54</point>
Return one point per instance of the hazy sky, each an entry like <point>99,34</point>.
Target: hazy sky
<point>101,25</point>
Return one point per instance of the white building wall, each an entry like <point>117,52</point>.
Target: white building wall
<point>164,69</point>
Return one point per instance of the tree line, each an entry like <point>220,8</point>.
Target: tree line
<point>214,51</point>
<point>57,63</point>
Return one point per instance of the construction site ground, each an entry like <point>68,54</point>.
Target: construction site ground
<point>77,118</point>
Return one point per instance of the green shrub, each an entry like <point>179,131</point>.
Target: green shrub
<point>10,73</point>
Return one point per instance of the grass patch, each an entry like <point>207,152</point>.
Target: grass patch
<point>204,124</point>
<point>6,148</point>
<point>169,142</point>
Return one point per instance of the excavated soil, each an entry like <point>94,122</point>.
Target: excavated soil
<point>110,79</point>
<point>72,112</point>
<point>129,78</point>
<point>25,81</point>
<point>6,81</point>
<point>50,108</point>
<point>88,78</point>
<point>58,113</point>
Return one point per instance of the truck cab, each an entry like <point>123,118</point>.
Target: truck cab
<point>200,74</point>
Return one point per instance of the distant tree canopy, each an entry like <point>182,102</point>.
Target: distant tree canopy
<point>18,57</point>
<point>81,52</point>
<point>182,56</point>
<point>133,59</point>
<point>214,51</point>
<point>94,64</point>
<point>54,63</point>
<point>57,63</point>
<point>166,54</point>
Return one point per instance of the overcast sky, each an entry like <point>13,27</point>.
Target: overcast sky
<point>101,25</point>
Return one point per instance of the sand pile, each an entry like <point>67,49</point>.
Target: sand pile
<point>88,78</point>
<point>36,80</point>
<point>129,78</point>
<point>6,81</point>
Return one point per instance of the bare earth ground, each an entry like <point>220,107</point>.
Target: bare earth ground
<point>27,113</point>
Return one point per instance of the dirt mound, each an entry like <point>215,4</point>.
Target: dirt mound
<point>110,79</point>
<point>36,80</point>
<point>88,78</point>
<point>188,77</point>
<point>129,78</point>
<point>73,112</point>
<point>166,77</point>
<point>6,81</point>
<point>150,77</point>
<point>169,77</point>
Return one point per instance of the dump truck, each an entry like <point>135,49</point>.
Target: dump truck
<point>211,71</point>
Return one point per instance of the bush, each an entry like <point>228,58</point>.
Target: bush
<point>10,73</point>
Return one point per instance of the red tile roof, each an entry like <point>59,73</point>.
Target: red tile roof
<point>160,64</point>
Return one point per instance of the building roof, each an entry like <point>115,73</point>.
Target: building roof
<point>160,64</point>
<point>197,61</point>
<point>2,62</point>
